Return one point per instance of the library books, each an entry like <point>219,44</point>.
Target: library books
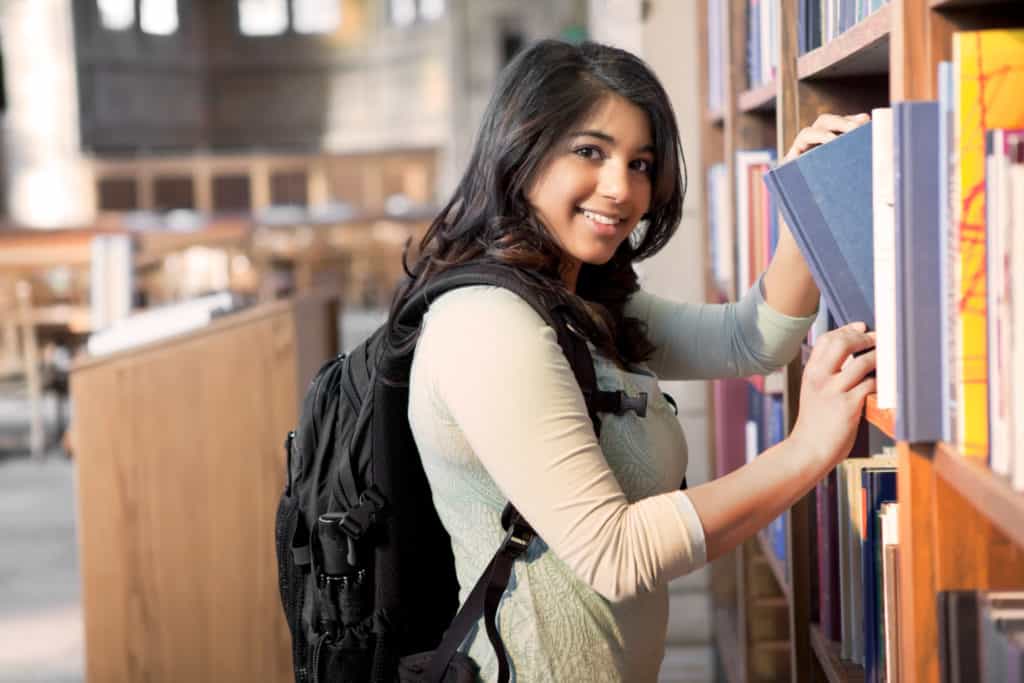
<point>825,196</point>
<point>852,518</point>
<point>762,41</point>
<point>756,225</point>
<point>981,636</point>
<point>819,21</point>
<point>988,76</point>
<point>741,251</point>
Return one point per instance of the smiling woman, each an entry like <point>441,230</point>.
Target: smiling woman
<point>576,174</point>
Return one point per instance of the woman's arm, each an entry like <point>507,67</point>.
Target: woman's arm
<point>734,507</point>
<point>789,287</point>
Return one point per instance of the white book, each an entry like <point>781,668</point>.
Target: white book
<point>1017,325</point>
<point>751,441</point>
<point>997,232</point>
<point>883,194</point>
<point>890,588</point>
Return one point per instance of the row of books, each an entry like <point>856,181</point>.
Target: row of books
<point>740,251</point>
<point>856,538</point>
<point>908,225</point>
<point>748,422</point>
<point>762,41</point>
<point>981,636</point>
<point>819,21</point>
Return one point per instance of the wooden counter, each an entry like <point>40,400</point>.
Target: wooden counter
<point>180,466</point>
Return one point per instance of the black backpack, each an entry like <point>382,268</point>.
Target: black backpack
<point>366,572</point>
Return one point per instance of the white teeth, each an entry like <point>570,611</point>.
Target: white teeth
<point>599,218</point>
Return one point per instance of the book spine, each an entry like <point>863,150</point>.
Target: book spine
<point>918,367</point>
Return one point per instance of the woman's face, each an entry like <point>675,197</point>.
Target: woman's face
<point>595,185</point>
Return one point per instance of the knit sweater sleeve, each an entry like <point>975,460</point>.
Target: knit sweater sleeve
<point>707,341</point>
<point>493,370</point>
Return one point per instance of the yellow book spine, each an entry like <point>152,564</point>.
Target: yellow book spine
<point>989,78</point>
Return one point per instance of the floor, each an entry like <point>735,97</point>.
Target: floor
<point>41,636</point>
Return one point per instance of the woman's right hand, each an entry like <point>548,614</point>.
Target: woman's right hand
<point>833,390</point>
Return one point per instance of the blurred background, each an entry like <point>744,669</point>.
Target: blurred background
<point>175,176</point>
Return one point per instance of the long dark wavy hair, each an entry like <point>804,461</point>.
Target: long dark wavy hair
<point>540,96</point>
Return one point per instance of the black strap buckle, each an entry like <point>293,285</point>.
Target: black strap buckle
<point>517,540</point>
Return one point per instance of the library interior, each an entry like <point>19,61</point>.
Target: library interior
<point>203,201</point>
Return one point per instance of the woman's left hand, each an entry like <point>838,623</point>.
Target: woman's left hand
<point>825,128</point>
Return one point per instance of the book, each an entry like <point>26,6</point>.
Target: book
<point>825,196</point>
<point>918,300</point>
<point>884,239</point>
<point>988,77</point>
<point>850,504</point>
<point>730,424</point>
<point>947,239</point>
<point>1017,334</point>
<point>878,485</point>
<point>890,589</point>
<point>828,557</point>
<point>750,166</point>
<point>999,297</point>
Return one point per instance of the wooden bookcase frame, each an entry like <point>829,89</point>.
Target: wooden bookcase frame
<point>961,527</point>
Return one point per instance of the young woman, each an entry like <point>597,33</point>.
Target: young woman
<point>576,174</point>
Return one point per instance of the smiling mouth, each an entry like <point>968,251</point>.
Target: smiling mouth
<point>600,217</point>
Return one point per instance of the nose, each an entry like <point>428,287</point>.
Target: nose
<point>614,182</point>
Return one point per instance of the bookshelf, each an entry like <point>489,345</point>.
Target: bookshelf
<point>960,525</point>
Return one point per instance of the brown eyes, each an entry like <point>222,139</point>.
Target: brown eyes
<point>592,153</point>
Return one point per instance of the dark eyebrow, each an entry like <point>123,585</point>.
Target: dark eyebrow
<point>600,135</point>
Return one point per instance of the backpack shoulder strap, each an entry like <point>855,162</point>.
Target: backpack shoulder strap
<point>573,345</point>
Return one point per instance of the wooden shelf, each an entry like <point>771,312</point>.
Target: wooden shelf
<point>836,670</point>
<point>986,491</point>
<point>861,50</point>
<point>727,638</point>
<point>760,98</point>
<point>775,564</point>
<point>885,420</point>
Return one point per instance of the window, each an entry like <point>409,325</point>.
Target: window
<point>316,16</point>
<point>116,15</point>
<point>406,12</point>
<point>403,12</point>
<point>262,17</point>
<point>159,17</point>
<point>156,17</point>
<point>431,9</point>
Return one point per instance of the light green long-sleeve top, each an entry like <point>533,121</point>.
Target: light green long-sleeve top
<point>497,415</point>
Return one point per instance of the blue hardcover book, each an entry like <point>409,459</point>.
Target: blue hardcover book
<point>879,486</point>
<point>947,296</point>
<point>825,197</point>
<point>919,371</point>
<point>801,27</point>
<point>813,24</point>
